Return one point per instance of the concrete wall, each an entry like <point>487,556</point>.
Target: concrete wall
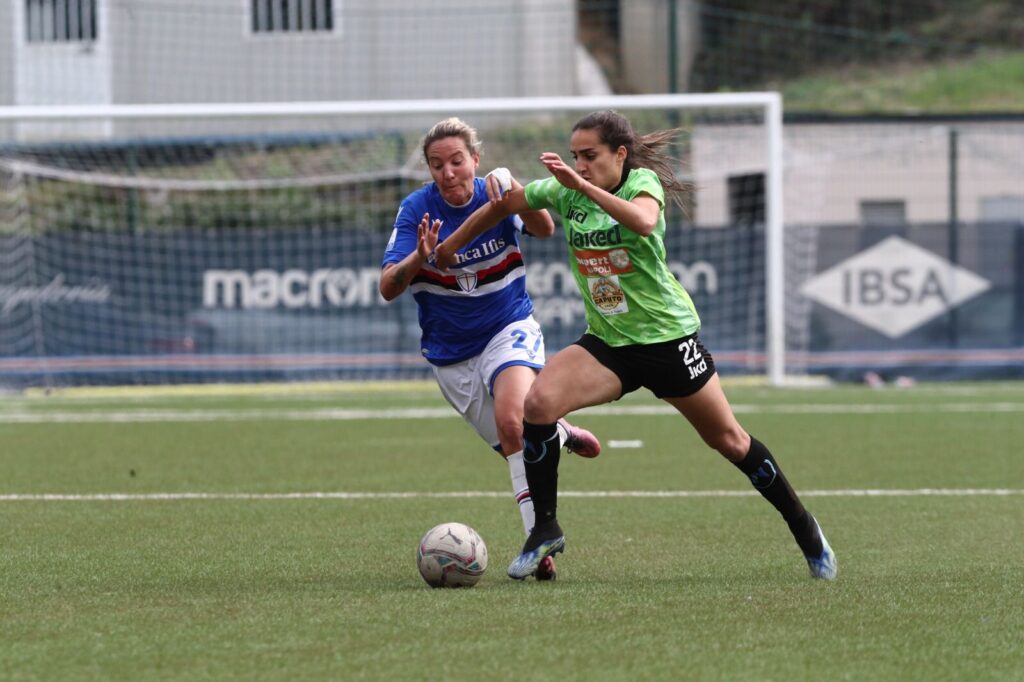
<point>7,30</point>
<point>378,49</point>
<point>6,65</point>
<point>645,44</point>
<point>164,54</point>
<point>43,73</point>
<point>61,72</point>
<point>831,168</point>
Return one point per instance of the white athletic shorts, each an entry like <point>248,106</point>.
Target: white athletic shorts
<point>469,385</point>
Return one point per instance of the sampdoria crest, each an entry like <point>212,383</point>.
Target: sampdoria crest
<point>466,280</point>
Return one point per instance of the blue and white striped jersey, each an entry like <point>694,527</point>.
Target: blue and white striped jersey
<point>462,309</point>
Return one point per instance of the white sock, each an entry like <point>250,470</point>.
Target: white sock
<point>563,433</point>
<point>517,472</point>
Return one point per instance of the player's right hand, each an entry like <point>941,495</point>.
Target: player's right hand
<point>566,176</point>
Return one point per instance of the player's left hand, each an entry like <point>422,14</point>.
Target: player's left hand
<point>499,183</point>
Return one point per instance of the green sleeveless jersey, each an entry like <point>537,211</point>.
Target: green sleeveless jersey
<point>630,295</point>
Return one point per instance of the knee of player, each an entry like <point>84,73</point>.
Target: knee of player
<point>732,443</point>
<point>540,407</point>
<point>510,427</point>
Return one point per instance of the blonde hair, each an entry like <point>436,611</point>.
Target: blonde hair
<point>452,127</point>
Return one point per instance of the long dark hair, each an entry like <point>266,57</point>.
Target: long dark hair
<point>642,151</point>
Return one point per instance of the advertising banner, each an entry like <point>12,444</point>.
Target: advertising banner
<point>301,303</point>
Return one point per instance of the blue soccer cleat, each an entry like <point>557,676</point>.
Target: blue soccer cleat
<point>526,564</point>
<point>824,567</point>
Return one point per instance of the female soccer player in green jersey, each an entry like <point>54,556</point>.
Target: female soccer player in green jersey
<point>641,323</point>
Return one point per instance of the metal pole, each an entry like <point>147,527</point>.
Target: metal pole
<point>954,222</point>
<point>131,210</point>
<point>774,248</point>
<point>673,47</point>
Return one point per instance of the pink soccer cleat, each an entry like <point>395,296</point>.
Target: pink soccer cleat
<point>546,569</point>
<point>580,441</point>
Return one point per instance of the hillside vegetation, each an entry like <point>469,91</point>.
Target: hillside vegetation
<point>983,83</point>
<point>836,56</point>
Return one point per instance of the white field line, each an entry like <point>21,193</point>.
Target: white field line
<point>626,444</point>
<point>613,494</point>
<point>21,416</point>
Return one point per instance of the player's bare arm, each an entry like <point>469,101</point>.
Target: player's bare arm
<point>481,220</point>
<point>500,182</point>
<point>537,223</point>
<point>396,277</point>
<point>639,215</point>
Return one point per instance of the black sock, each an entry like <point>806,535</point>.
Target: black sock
<point>766,476</point>
<point>541,452</point>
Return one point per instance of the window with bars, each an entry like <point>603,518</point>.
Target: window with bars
<point>746,199</point>
<point>883,212</point>
<point>60,21</point>
<point>274,16</point>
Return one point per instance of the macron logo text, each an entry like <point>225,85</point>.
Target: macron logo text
<point>264,289</point>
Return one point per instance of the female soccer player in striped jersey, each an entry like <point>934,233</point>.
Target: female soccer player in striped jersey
<point>478,330</point>
<point>641,323</point>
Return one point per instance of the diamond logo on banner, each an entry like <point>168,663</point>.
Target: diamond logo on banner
<point>894,287</point>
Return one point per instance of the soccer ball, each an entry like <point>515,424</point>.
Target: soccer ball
<point>451,555</point>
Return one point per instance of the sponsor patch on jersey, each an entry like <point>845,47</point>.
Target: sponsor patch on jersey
<point>603,263</point>
<point>607,295</point>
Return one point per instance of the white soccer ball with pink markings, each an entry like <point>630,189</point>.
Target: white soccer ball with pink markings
<point>452,555</point>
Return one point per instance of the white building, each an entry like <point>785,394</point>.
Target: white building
<point>161,51</point>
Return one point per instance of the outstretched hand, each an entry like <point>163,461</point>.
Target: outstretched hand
<point>563,172</point>
<point>426,236</point>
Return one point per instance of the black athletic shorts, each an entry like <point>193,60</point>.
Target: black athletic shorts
<point>670,369</point>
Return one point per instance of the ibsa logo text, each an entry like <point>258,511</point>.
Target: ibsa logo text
<point>894,287</point>
<point>262,289</point>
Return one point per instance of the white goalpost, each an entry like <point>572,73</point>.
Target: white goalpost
<point>198,242</point>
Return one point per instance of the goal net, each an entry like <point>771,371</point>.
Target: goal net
<point>198,243</point>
